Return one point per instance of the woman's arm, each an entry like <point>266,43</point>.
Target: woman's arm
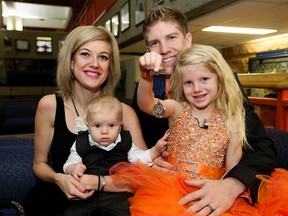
<point>44,127</point>
<point>90,182</point>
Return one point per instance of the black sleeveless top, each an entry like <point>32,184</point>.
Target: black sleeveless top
<point>62,139</point>
<point>48,199</point>
<point>97,160</point>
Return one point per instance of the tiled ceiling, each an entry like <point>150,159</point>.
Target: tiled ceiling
<point>265,14</point>
<point>268,14</point>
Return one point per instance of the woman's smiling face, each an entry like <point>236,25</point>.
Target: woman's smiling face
<point>91,63</point>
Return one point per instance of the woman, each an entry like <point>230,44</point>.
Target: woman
<point>88,67</point>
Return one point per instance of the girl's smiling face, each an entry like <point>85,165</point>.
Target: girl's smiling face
<point>200,86</point>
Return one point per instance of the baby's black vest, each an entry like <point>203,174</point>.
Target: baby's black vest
<point>97,160</point>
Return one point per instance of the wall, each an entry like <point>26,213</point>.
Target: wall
<point>238,56</point>
<point>270,110</point>
<point>132,73</point>
<point>134,32</point>
<point>31,37</point>
<point>35,82</point>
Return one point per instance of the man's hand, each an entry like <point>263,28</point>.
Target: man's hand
<point>214,197</point>
<point>150,61</point>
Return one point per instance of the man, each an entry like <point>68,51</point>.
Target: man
<point>166,35</point>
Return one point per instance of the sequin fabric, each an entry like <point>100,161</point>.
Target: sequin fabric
<point>198,153</point>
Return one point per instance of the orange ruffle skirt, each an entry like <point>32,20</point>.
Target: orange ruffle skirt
<point>157,193</point>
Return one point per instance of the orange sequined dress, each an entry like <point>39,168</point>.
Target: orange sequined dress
<point>198,154</point>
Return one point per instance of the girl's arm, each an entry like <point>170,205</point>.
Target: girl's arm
<point>234,151</point>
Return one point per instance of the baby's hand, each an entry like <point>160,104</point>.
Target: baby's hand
<point>76,170</point>
<point>161,145</point>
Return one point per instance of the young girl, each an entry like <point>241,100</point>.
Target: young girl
<point>207,131</point>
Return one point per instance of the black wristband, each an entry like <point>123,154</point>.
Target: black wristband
<point>98,183</point>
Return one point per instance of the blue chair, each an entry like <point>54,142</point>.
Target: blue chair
<point>16,174</point>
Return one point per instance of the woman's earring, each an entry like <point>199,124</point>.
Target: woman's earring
<point>72,75</point>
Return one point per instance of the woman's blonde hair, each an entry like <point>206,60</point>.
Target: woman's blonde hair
<point>74,40</point>
<point>229,99</point>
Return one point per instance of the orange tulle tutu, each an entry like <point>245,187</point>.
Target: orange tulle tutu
<point>157,193</point>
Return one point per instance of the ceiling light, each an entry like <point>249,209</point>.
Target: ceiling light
<point>14,23</point>
<point>238,30</point>
<point>35,15</point>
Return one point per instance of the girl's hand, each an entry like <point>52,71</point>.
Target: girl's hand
<point>161,164</point>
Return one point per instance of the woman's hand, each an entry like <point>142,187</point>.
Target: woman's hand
<point>89,182</point>
<point>72,188</point>
<point>220,195</point>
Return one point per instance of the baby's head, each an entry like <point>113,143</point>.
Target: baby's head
<point>105,105</point>
<point>104,119</point>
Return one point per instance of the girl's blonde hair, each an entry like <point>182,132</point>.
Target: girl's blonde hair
<point>74,40</point>
<point>229,99</point>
